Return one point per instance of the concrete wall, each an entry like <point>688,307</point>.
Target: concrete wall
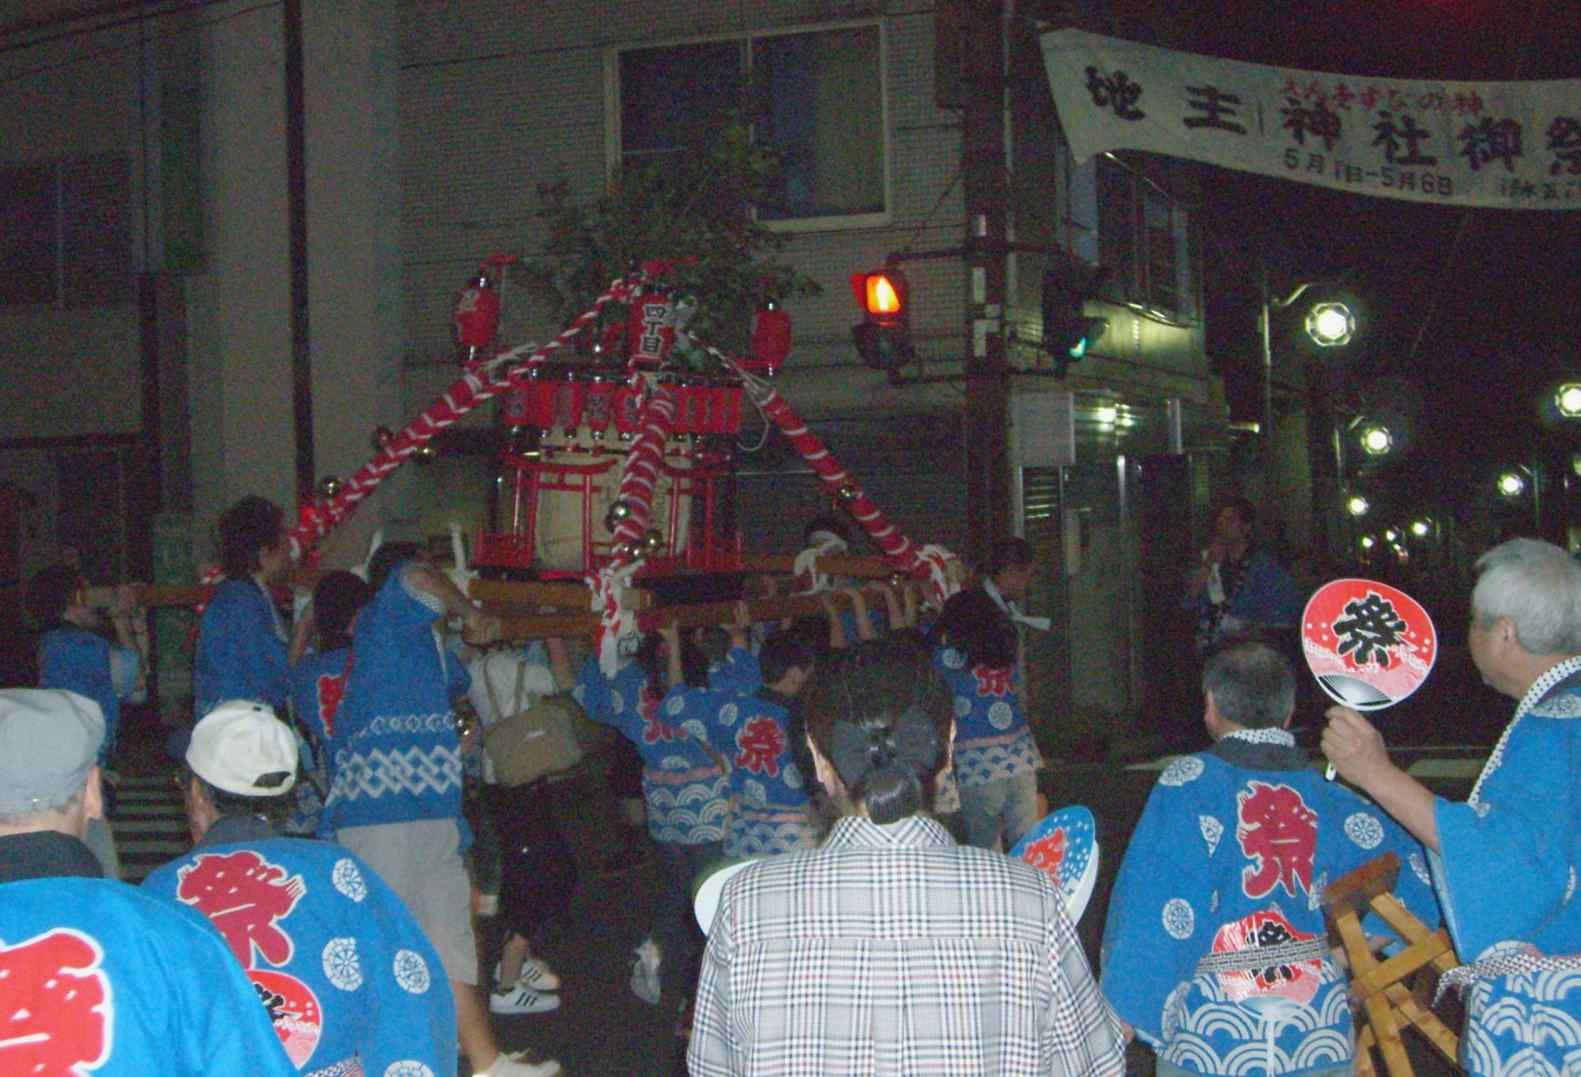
<point>68,373</point>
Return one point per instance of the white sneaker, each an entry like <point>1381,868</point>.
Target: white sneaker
<point>535,974</point>
<point>518,1000</point>
<point>645,972</point>
<point>516,1065</point>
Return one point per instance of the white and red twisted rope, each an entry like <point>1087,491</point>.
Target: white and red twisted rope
<point>478,384</point>
<point>930,564</point>
<point>898,549</point>
<point>640,472</point>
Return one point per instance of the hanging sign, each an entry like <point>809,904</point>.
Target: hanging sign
<point>1509,145</point>
<point>1064,846</point>
<point>1368,644</point>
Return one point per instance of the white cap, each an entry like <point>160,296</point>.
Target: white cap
<point>240,747</point>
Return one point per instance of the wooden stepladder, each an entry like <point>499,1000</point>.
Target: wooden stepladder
<point>1392,992</point>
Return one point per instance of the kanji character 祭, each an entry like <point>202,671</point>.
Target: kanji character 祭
<point>1278,834</point>
<point>55,1011</point>
<point>761,741</point>
<point>1369,628</point>
<point>243,895</point>
<point>992,681</point>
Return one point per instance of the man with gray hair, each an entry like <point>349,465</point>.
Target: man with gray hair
<point>1505,861</point>
<point>1214,948</point>
<point>95,975</point>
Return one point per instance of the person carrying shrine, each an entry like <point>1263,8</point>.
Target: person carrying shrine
<point>244,646</point>
<point>1505,860</point>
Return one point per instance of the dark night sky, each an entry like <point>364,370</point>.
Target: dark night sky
<point>1505,321</point>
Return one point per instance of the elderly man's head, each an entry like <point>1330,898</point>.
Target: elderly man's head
<point>1525,613</point>
<point>49,744</point>
<point>1247,686</point>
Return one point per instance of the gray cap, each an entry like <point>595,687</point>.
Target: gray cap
<point>49,740</point>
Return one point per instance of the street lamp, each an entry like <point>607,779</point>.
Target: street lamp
<point>1421,528</point>
<point>1376,440</point>
<point>1568,399</point>
<point>1356,505</point>
<point>1330,325</point>
<point>1512,484</point>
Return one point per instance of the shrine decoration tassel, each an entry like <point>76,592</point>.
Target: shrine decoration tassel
<point>481,380</point>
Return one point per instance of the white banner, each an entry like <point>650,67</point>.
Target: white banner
<point>1509,145</point>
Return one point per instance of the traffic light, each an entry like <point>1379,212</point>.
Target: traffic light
<point>883,336</point>
<point>1067,330</point>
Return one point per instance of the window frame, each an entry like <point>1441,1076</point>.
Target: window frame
<point>63,295</point>
<point>1136,282</point>
<point>613,153</point>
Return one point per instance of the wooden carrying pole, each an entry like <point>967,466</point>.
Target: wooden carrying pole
<point>517,627</point>
<point>512,596</point>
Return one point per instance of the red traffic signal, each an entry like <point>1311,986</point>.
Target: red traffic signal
<point>883,336</point>
<point>882,295</point>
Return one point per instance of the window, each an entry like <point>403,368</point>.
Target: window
<point>815,96</point>
<point>1143,235</point>
<point>65,238</point>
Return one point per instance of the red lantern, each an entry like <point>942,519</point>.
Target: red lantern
<point>476,315</point>
<point>771,338</point>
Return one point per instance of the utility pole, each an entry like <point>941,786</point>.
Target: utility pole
<point>984,184</point>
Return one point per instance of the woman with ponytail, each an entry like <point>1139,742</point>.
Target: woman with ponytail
<point>891,949</point>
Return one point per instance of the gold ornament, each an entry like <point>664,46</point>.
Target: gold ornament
<point>652,543</point>
<point>328,487</point>
<point>848,494</point>
<point>618,511</point>
<point>426,453</point>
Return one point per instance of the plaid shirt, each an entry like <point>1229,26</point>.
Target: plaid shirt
<point>891,950</point>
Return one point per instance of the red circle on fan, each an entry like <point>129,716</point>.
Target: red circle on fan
<point>1368,644</point>
<point>1297,981</point>
<point>294,1010</point>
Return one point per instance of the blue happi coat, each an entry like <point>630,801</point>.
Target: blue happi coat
<point>686,794</point>
<point>345,973</point>
<point>98,977</point>
<point>73,658</point>
<point>992,740</point>
<point>395,756</point>
<point>1506,874</point>
<point>740,673</point>
<point>768,793</point>
<point>1214,949</point>
<point>241,651</point>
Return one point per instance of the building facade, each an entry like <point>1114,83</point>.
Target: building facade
<point>248,228</point>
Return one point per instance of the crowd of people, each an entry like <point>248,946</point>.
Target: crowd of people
<point>873,763</point>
